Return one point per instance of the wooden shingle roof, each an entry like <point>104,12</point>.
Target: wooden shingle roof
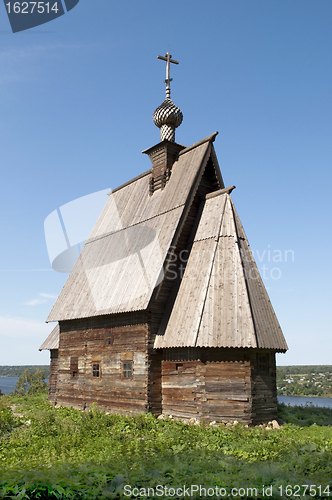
<point>221,301</point>
<point>122,261</point>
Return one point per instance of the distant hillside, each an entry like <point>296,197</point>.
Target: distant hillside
<point>15,371</point>
<point>305,380</point>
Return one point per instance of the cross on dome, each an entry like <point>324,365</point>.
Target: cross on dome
<point>168,59</point>
<point>167,117</point>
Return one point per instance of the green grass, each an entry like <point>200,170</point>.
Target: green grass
<point>64,453</point>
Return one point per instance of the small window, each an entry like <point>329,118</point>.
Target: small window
<point>178,366</point>
<point>109,337</point>
<point>263,363</point>
<point>95,370</point>
<point>127,370</point>
<point>74,366</point>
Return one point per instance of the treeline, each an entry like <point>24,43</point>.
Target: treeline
<point>282,371</point>
<point>16,371</point>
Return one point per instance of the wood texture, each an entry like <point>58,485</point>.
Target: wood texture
<point>109,276</point>
<point>189,338</point>
<point>220,384</point>
<point>53,376</point>
<point>84,341</point>
<point>221,300</point>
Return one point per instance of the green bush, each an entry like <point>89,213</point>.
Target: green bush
<point>31,383</point>
<point>304,416</point>
<point>7,419</point>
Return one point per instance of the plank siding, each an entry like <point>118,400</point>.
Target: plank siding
<point>84,340</point>
<point>218,385</point>
<point>264,390</point>
<point>154,383</point>
<point>53,376</point>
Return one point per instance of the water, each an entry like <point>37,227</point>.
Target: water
<point>7,384</point>
<point>303,400</point>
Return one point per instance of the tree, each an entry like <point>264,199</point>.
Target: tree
<point>31,383</point>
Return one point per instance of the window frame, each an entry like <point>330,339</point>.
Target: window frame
<point>93,363</point>
<point>109,338</point>
<point>126,370</point>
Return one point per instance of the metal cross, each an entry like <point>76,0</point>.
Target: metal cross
<point>168,59</point>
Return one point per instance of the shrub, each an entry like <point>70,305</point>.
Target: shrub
<point>31,383</point>
<point>303,416</point>
<point>7,419</point>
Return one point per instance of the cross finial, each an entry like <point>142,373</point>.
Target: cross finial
<point>168,59</point>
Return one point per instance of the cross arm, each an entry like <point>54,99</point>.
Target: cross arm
<point>166,59</point>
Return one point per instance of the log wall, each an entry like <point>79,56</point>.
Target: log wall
<point>154,383</point>
<point>52,380</point>
<point>218,384</point>
<point>264,390</point>
<point>83,347</point>
<point>209,384</point>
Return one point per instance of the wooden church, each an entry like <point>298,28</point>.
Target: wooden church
<point>165,310</point>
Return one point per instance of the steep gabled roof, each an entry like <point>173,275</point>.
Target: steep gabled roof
<point>122,261</point>
<point>221,301</point>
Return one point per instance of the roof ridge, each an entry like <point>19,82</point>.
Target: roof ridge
<point>227,190</point>
<point>209,138</point>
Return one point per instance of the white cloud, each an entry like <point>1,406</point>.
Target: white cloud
<point>48,295</point>
<point>20,340</point>
<point>21,327</point>
<point>43,300</point>
<point>35,302</point>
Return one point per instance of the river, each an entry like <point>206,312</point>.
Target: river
<point>304,400</point>
<point>7,384</point>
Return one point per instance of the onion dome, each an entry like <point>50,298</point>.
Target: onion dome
<point>167,117</point>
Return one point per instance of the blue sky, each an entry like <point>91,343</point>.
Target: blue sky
<point>77,96</point>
